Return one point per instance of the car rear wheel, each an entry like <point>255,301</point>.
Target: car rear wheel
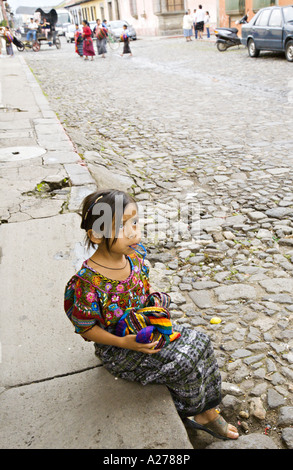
<point>252,50</point>
<point>289,51</point>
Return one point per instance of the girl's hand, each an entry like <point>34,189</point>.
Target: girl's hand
<point>129,342</point>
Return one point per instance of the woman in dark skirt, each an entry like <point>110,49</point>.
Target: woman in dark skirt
<point>9,41</point>
<point>101,35</point>
<point>110,302</point>
<point>125,39</point>
<point>78,39</point>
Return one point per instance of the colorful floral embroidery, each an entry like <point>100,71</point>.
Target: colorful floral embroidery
<point>78,292</point>
<point>118,312</point>
<point>112,307</point>
<point>92,299</point>
<point>96,280</point>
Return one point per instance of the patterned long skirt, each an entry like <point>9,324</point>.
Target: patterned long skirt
<point>9,49</point>
<point>101,46</point>
<point>126,48</point>
<point>88,48</point>
<point>79,48</point>
<point>186,366</point>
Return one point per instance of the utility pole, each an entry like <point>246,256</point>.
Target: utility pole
<point>3,10</point>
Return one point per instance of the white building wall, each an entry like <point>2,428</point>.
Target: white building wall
<point>145,21</point>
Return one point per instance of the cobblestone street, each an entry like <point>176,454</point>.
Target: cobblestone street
<point>179,125</point>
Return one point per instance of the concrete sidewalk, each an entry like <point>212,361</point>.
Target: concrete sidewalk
<point>54,392</point>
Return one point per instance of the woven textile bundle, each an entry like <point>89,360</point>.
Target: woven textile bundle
<point>8,37</point>
<point>103,33</point>
<point>150,323</point>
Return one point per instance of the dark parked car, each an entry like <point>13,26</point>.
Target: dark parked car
<point>271,29</point>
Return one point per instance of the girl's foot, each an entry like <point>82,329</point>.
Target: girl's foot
<point>219,427</point>
<point>212,422</point>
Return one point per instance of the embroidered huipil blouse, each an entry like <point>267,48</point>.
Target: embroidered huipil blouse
<point>87,32</point>
<point>92,299</point>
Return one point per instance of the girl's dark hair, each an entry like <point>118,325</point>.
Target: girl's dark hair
<point>115,201</point>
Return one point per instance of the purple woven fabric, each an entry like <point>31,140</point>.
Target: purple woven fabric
<point>144,335</point>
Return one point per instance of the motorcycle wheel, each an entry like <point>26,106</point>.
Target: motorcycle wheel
<point>20,47</point>
<point>221,46</point>
<point>252,50</point>
<point>58,43</point>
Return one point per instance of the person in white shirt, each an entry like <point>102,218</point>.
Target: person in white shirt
<point>200,14</point>
<point>207,24</point>
<point>187,25</point>
<point>32,30</point>
<point>194,23</point>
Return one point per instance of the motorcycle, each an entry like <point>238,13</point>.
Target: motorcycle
<point>19,44</point>
<point>228,37</point>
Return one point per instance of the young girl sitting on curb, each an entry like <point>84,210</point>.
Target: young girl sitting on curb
<point>110,302</point>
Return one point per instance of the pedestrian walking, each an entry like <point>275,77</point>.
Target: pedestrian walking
<point>110,302</point>
<point>8,36</point>
<point>88,48</point>
<point>207,24</point>
<point>78,40</point>
<point>101,34</point>
<point>125,38</point>
<point>200,21</point>
<point>187,26</point>
<point>194,23</point>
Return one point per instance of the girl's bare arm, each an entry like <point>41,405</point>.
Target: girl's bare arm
<point>100,336</point>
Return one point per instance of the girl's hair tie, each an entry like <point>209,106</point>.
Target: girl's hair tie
<point>91,206</point>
